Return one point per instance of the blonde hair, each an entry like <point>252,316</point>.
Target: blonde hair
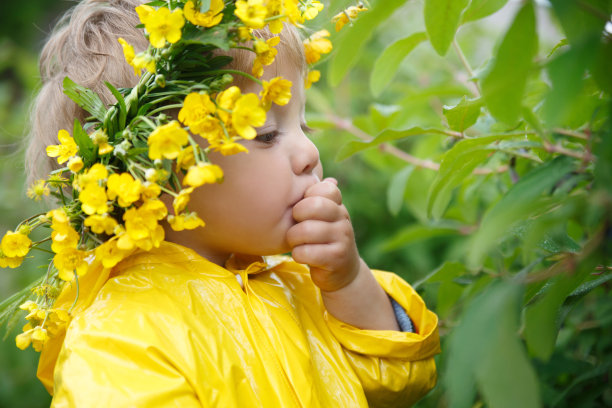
<point>84,47</point>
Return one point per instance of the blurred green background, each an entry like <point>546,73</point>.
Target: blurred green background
<point>387,198</point>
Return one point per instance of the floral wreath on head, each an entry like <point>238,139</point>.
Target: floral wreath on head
<point>118,163</point>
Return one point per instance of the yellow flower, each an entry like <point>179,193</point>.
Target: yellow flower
<point>101,224</point>
<point>229,148</point>
<point>38,189</point>
<point>265,52</point>
<point>75,164</point>
<point>315,45</point>
<point>161,24</point>
<point>128,51</point>
<point>15,244</point>
<point>312,77</point>
<point>185,221</point>
<point>155,207</point>
<point>203,173</point>
<point>275,15</point>
<point>36,336</point>
<point>124,187</point>
<point>312,10</point>
<point>65,150</point>
<point>248,113</point>
<point>93,199</point>
<point>68,261</point>
<point>349,14</point>
<point>93,175</point>
<point>196,109</point>
<point>167,140</point>
<point>10,262</point>
<point>139,61</point>
<point>56,180</point>
<point>211,18</point>
<point>100,139</point>
<point>278,90</point>
<point>24,339</point>
<point>181,200</point>
<point>293,12</point>
<point>244,34</point>
<point>186,158</point>
<point>57,321</point>
<point>251,12</point>
<point>150,190</point>
<point>141,230</point>
<point>110,253</point>
<point>63,237</point>
<point>226,101</point>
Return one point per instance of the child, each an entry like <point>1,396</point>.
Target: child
<point>207,317</point>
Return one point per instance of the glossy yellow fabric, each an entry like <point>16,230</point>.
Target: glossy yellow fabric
<point>169,328</point>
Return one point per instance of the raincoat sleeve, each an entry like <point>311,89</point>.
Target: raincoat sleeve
<point>125,354</point>
<point>395,368</point>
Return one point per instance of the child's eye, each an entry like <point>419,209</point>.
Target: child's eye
<point>268,138</point>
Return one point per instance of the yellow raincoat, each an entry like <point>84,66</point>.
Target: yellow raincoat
<point>169,328</point>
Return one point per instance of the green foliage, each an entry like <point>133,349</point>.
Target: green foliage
<point>499,188</point>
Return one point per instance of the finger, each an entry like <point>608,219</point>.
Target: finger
<point>325,189</point>
<point>318,208</point>
<point>331,180</point>
<point>317,255</point>
<point>313,232</point>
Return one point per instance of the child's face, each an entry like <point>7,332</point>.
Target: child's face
<point>251,211</point>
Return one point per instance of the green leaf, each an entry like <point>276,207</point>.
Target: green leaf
<point>397,189</point>
<point>481,8</point>
<point>504,86</point>
<point>458,163</point>
<point>120,103</point>
<point>353,39</point>
<point>441,21</point>
<point>517,204</point>
<point>387,135</point>
<point>85,98</point>
<point>415,233</point>
<point>464,114</point>
<point>484,350</point>
<point>387,63</point>
<point>541,323</point>
<point>87,150</point>
<point>204,6</point>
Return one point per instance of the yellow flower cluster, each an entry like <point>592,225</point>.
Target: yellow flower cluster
<point>341,19</point>
<point>109,185</point>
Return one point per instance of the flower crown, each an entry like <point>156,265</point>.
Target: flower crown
<point>118,163</point>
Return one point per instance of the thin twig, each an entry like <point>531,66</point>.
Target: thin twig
<point>466,65</point>
<point>555,148</point>
<point>571,133</point>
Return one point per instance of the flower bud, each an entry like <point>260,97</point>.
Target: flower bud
<point>160,80</point>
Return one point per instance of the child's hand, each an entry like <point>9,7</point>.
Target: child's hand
<point>323,237</point>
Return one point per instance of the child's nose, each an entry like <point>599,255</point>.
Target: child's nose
<point>305,155</point>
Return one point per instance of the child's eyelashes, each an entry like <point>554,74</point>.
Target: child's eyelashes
<point>268,137</point>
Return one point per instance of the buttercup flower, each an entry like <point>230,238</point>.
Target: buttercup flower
<point>247,114</point>
<point>100,139</point>
<point>65,150</point>
<point>38,189</point>
<point>315,45</point>
<point>166,141</point>
<point>94,175</point>
<point>211,18</point>
<point>10,262</point>
<point>101,224</point>
<point>181,201</point>
<point>312,77</point>
<point>161,24</point>
<point>141,230</point>
<point>251,12</point>
<point>265,54</point>
<point>186,158</point>
<point>93,199</point>
<point>226,101</point>
<point>36,336</point>
<point>68,261</point>
<point>75,164</point>
<point>203,173</point>
<point>312,10</point>
<point>185,221</point>
<point>349,14</point>
<point>15,244</point>
<point>278,90</point>
<point>229,148</point>
<point>196,112</point>
<point>124,187</point>
<point>150,190</point>
<point>110,253</point>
